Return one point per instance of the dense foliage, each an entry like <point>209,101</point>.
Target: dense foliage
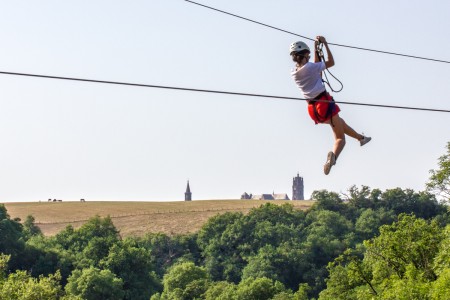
<point>439,182</point>
<point>371,244</point>
<point>368,244</point>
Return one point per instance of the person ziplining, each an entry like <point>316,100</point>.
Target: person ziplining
<point>321,106</point>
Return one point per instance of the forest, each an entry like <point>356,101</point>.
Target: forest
<point>366,244</point>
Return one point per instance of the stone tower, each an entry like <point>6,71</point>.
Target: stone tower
<point>297,188</point>
<point>188,194</point>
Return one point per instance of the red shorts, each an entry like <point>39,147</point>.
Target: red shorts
<point>318,110</point>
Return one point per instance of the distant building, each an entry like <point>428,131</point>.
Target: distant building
<point>298,188</point>
<point>246,196</point>
<point>297,192</point>
<point>188,194</point>
<point>272,196</point>
<point>280,197</point>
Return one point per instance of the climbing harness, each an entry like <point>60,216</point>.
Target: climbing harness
<point>324,95</point>
<point>330,108</point>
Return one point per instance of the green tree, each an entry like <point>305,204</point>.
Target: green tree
<point>286,263</point>
<point>422,204</point>
<point>427,207</point>
<point>442,260</point>
<point>220,257</point>
<point>94,284</point>
<point>4,266</point>
<point>328,201</point>
<point>44,257</point>
<point>273,225</point>
<point>213,229</point>
<point>302,293</point>
<point>440,289</point>
<point>134,266</point>
<point>276,214</point>
<point>259,289</point>
<point>97,228</point>
<point>11,238</point>
<point>405,261</point>
<point>71,248</point>
<point>264,264</point>
<point>185,281</point>
<point>221,290</point>
<point>439,181</point>
<point>361,198</point>
<point>228,241</point>
<point>328,235</point>
<point>20,285</point>
<point>398,200</point>
<point>29,229</point>
<point>412,285</point>
<point>408,241</point>
<point>167,250</point>
<point>93,241</point>
<point>368,223</point>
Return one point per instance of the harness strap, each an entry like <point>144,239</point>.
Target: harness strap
<point>330,108</point>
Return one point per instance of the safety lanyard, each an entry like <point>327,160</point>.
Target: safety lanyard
<point>319,53</point>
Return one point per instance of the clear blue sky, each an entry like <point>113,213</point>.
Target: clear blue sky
<point>70,140</point>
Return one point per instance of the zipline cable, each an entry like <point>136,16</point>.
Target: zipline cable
<point>212,91</point>
<point>307,38</point>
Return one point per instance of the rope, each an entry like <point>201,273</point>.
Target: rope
<point>212,91</point>
<point>319,52</point>
<point>307,38</point>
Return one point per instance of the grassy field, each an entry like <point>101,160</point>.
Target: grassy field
<point>135,218</point>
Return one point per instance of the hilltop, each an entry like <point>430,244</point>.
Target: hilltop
<point>135,218</point>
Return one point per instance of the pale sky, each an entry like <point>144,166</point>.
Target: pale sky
<point>71,140</point>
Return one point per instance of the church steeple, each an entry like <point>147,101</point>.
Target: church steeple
<point>188,194</point>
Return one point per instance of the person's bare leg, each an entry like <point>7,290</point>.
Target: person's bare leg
<point>351,132</point>
<point>338,127</point>
<point>340,130</point>
<point>339,142</point>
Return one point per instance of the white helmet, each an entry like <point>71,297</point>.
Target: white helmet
<point>298,46</point>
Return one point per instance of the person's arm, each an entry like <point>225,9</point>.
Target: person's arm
<point>316,54</point>
<point>329,62</point>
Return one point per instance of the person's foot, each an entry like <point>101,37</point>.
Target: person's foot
<point>331,161</point>
<point>364,140</point>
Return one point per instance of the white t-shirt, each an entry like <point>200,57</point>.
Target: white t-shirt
<point>308,79</point>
